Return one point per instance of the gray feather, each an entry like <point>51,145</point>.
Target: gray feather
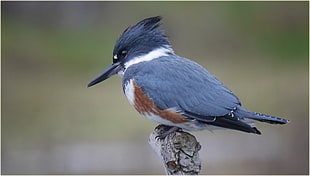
<point>176,82</point>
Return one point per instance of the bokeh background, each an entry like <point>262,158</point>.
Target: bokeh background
<point>52,124</point>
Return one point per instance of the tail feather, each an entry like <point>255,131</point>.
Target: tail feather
<point>238,119</point>
<point>235,124</point>
<point>261,117</point>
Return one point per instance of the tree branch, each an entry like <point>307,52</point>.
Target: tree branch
<point>178,151</point>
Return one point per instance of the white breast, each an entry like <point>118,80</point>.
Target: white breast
<point>129,92</point>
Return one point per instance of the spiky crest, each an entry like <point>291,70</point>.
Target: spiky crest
<point>146,34</point>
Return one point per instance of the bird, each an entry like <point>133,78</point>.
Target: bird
<point>172,90</point>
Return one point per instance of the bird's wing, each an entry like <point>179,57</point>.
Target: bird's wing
<point>179,83</point>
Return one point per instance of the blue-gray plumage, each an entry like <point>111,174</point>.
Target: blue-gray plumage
<point>176,82</point>
<point>173,90</point>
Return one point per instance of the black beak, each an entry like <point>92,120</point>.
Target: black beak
<point>105,74</point>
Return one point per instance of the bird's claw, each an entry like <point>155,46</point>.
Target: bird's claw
<point>165,130</point>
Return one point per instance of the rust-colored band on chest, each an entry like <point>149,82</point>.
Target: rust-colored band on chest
<point>145,105</point>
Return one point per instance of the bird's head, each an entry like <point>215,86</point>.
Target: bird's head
<point>141,42</point>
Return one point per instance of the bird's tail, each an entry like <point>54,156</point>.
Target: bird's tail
<point>260,117</point>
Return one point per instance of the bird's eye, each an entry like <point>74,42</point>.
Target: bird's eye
<point>123,53</point>
<point>119,56</point>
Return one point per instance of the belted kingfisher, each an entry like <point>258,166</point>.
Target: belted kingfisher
<point>172,90</point>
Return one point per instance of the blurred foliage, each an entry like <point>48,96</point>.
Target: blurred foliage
<point>269,28</point>
<point>52,124</point>
<point>285,38</point>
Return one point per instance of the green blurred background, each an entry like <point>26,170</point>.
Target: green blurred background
<point>53,124</point>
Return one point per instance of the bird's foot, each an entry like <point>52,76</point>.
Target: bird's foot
<point>165,130</point>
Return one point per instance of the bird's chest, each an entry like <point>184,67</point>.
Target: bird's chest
<point>137,98</point>
<point>146,106</point>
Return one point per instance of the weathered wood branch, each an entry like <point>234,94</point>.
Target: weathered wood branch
<point>178,151</point>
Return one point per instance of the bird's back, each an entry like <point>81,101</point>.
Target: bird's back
<point>182,84</point>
